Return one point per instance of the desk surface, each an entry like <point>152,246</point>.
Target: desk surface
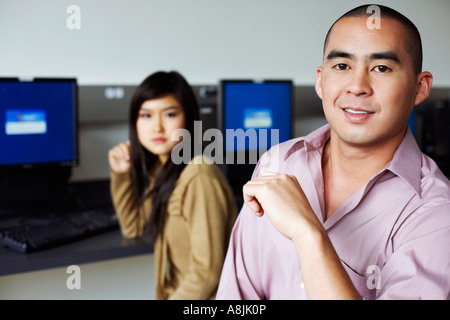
<point>110,245</point>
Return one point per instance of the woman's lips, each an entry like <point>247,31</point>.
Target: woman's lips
<point>159,140</point>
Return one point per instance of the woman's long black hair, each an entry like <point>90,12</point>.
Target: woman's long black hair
<point>158,85</point>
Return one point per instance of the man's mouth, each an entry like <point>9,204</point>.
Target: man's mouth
<point>357,111</point>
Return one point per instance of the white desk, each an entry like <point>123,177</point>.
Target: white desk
<point>116,279</point>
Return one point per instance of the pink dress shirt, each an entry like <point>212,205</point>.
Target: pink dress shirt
<point>392,236</point>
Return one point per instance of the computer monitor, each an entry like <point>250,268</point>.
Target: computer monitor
<point>256,114</point>
<point>39,125</point>
<point>412,122</point>
<point>39,140</point>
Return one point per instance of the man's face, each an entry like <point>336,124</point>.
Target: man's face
<point>367,83</point>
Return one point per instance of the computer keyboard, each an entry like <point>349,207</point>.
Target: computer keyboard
<point>57,229</point>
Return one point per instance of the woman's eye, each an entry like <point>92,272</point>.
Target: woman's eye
<point>144,115</point>
<point>382,69</point>
<point>341,66</point>
<point>171,114</point>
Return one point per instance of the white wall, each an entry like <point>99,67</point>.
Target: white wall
<point>122,41</point>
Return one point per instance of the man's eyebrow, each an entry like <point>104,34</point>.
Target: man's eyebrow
<point>385,55</point>
<point>339,54</point>
<point>382,55</point>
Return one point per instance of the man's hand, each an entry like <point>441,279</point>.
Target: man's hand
<point>282,199</point>
<point>119,158</point>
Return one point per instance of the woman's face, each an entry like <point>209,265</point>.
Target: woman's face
<point>157,119</point>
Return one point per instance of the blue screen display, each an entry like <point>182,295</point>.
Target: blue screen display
<point>38,123</point>
<point>260,111</point>
<point>412,122</point>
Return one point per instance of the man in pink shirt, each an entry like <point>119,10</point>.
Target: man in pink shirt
<point>354,210</point>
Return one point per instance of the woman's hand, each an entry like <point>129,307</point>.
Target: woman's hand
<point>119,158</point>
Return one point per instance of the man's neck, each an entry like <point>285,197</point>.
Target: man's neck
<point>358,162</point>
<point>347,168</point>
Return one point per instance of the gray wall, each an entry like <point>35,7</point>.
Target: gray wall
<point>121,42</point>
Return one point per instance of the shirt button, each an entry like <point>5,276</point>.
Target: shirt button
<point>302,285</point>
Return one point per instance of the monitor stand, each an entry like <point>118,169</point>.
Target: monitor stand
<point>34,188</point>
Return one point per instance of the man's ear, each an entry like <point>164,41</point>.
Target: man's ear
<point>424,81</point>
<point>319,82</point>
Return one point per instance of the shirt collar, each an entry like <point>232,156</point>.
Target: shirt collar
<point>406,162</point>
<point>313,141</point>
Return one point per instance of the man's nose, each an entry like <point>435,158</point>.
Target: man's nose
<point>359,84</point>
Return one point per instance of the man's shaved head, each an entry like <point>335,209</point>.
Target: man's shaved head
<point>413,43</point>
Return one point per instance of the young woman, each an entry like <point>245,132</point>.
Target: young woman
<point>188,209</point>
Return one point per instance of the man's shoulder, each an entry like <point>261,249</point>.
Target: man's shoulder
<point>435,185</point>
<point>284,147</point>
<point>428,212</point>
<point>275,159</point>
<point>314,140</point>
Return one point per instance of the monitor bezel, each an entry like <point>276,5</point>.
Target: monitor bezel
<point>76,161</point>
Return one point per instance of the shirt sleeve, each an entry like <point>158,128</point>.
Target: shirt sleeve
<point>207,209</point>
<point>241,273</point>
<point>240,279</point>
<point>125,202</point>
<point>419,266</point>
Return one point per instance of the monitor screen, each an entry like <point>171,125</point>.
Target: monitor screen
<point>412,122</point>
<point>256,114</point>
<point>38,121</point>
